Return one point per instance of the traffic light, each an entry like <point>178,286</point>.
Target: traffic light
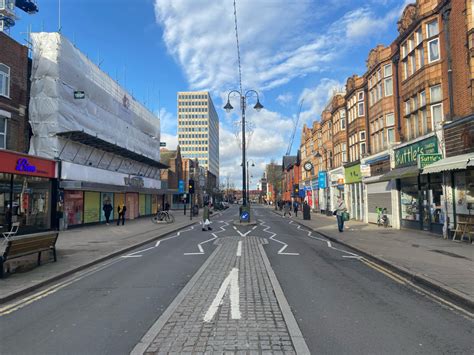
<point>296,190</point>
<point>191,186</point>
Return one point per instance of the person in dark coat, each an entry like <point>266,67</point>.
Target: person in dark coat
<point>295,208</point>
<point>107,211</point>
<point>121,209</point>
<point>167,206</point>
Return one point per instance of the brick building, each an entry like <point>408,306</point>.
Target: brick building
<point>170,177</point>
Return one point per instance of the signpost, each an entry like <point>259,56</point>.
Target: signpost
<point>244,216</point>
<point>162,144</point>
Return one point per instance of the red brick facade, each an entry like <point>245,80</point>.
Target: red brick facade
<point>15,57</point>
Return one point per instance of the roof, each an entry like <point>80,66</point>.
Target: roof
<point>289,161</point>
<point>87,139</point>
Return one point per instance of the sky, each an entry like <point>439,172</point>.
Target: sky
<point>292,52</point>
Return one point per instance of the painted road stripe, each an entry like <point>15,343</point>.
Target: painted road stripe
<point>239,248</point>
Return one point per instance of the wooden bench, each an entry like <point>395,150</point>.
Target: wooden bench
<point>29,244</point>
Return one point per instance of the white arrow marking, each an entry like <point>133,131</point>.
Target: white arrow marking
<point>232,281</point>
<point>239,248</point>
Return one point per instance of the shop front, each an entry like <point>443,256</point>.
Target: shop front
<point>421,196</point>
<point>315,194</point>
<point>355,192</point>
<point>324,197</point>
<point>28,192</point>
<point>86,193</point>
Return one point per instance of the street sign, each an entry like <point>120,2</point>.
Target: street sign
<point>322,179</point>
<point>181,186</point>
<point>79,95</point>
<point>426,159</point>
<point>244,216</point>
<point>162,144</point>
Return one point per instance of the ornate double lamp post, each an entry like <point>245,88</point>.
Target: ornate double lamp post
<point>243,103</point>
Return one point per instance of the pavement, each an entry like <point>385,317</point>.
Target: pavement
<point>82,247</point>
<point>443,265</point>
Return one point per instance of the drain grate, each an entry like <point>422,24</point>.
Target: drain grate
<point>449,254</point>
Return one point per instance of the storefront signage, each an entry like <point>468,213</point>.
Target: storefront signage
<point>135,181</point>
<point>322,179</point>
<point>181,186</point>
<point>364,170</point>
<point>22,164</point>
<point>408,155</point>
<point>315,184</point>
<point>353,174</point>
<point>427,159</point>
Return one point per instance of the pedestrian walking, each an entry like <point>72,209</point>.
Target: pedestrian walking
<point>295,208</point>
<point>107,208</point>
<point>206,222</point>
<point>286,209</point>
<point>167,206</point>
<point>340,209</point>
<point>121,210</point>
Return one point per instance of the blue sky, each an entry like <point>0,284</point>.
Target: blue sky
<point>291,50</point>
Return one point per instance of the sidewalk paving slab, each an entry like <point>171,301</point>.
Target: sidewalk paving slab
<point>82,247</point>
<point>442,265</point>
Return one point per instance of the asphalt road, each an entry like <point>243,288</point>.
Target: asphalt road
<point>341,304</point>
<point>344,306</point>
<point>108,311</point>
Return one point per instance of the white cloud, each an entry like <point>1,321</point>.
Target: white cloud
<point>316,99</point>
<point>284,99</point>
<point>168,122</point>
<point>170,139</point>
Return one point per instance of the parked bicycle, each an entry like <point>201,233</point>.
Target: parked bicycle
<point>382,218</point>
<point>163,217</point>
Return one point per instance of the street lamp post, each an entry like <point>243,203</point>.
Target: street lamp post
<point>228,107</point>
<point>248,179</point>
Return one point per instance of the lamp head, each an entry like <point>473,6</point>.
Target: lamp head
<point>258,106</point>
<point>228,107</point>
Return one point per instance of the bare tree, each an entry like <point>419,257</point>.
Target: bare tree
<point>274,176</point>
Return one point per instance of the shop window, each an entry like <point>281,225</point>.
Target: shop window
<point>409,200</point>
<point>3,133</point>
<point>4,80</point>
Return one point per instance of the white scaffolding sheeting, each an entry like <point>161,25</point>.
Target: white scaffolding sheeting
<point>107,112</point>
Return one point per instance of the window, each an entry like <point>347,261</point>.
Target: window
<point>410,44</point>
<point>379,91</point>
<point>407,107</point>
<point>408,128</point>
<point>424,125</point>
<point>4,80</point>
<point>362,148</point>
<point>388,87</point>
<point>389,119</point>
<point>391,135</point>
<point>415,126</point>
<point>362,135</point>
<point>412,63</point>
<point>414,100</point>
<point>421,57</point>
<point>3,133</point>
<point>404,50</point>
<point>379,75</point>
<point>343,120</point>
<point>432,28</point>
<point>436,114</point>
<point>422,98</point>
<point>405,69</point>
<point>387,70</point>
<point>360,96</point>
<point>433,50</point>
<point>435,93</point>
<point>343,152</point>
<point>419,36</point>
<point>360,108</point>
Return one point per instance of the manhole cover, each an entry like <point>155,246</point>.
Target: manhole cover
<point>449,254</point>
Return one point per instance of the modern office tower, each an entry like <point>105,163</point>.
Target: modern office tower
<point>198,129</point>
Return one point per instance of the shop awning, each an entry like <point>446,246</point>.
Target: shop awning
<point>95,142</point>
<point>458,162</point>
<point>401,173</point>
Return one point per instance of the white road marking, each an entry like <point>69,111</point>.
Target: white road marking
<point>239,248</point>
<point>232,281</point>
<point>136,252</point>
<point>242,234</point>
<point>201,250</point>
<point>281,251</point>
<point>132,256</point>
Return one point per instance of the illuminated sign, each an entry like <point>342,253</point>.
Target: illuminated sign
<point>23,165</point>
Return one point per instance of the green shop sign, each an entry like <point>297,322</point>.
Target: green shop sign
<point>352,174</point>
<point>427,159</point>
<point>408,155</point>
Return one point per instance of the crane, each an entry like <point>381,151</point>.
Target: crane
<point>292,137</point>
